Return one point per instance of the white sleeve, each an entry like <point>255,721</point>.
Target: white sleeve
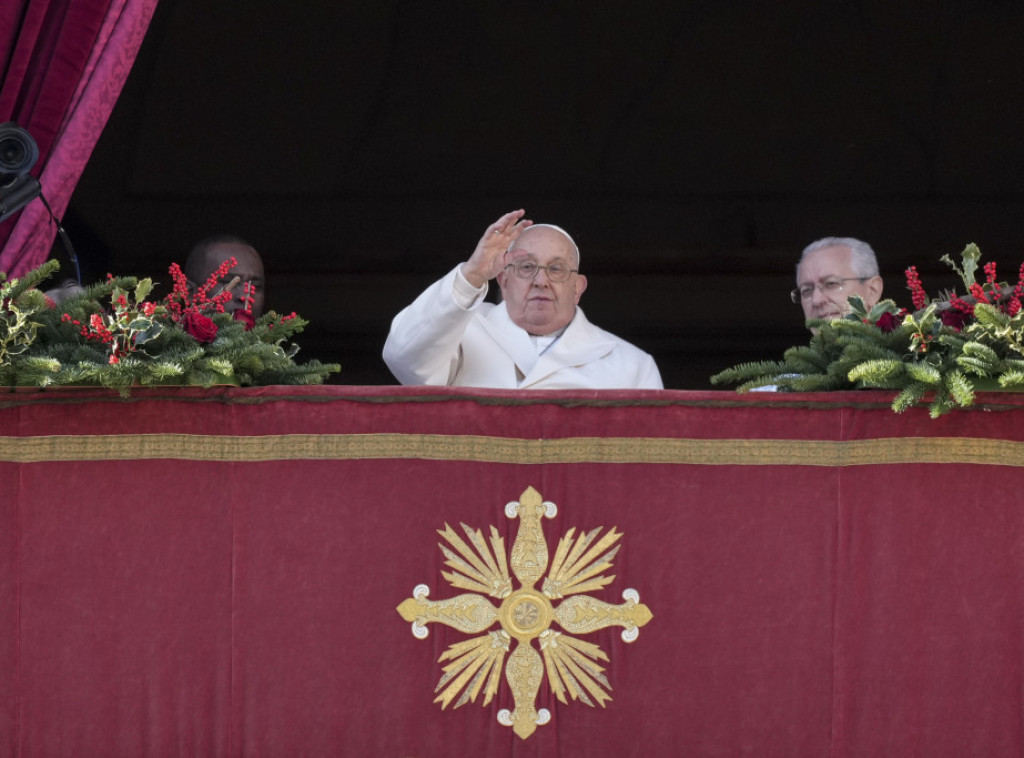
<point>650,378</point>
<point>424,344</point>
<point>466,295</point>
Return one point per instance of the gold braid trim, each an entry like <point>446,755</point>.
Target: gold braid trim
<point>476,448</point>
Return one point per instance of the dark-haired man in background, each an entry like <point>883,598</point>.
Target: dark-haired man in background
<point>207,256</point>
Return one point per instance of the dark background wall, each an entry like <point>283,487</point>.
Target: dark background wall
<point>691,148</point>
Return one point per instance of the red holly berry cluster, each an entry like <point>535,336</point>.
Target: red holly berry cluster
<point>283,319</point>
<point>917,293</point>
<point>1018,293</point>
<point>181,303</point>
<point>113,329</point>
<point>994,294</point>
<point>94,330</point>
<point>248,295</point>
<point>961,310</point>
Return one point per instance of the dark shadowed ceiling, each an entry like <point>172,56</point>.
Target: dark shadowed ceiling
<point>692,148</point>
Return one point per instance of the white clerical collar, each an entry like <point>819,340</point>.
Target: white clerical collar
<point>543,342</point>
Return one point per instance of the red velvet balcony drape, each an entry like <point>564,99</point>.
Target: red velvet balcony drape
<point>216,573</point>
<point>64,63</point>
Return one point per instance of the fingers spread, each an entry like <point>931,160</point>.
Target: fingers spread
<point>486,261</point>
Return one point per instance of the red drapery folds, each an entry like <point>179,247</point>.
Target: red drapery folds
<point>65,62</point>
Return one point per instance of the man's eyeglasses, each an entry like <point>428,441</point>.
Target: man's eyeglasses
<point>557,272</point>
<point>829,287</point>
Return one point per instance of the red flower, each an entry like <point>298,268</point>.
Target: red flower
<point>200,327</point>
<point>246,318</point>
<point>888,322</point>
<point>954,318</point>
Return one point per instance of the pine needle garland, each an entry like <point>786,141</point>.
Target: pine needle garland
<point>112,335</point>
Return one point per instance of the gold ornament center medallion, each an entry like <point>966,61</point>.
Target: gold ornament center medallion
<point>525,614</point>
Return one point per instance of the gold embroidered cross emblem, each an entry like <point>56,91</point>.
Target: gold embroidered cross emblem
<point>526,614</point>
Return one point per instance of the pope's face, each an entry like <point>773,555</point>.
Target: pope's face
<point>539,305</point>
<point>828,275</point>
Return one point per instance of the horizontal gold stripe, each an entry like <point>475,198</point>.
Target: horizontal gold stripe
<point>441,447</point>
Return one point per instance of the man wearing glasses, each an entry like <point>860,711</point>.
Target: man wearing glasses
<point>536,338</point>
<point>832,270</point>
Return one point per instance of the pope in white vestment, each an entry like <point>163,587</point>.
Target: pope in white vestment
<point>536,338</point>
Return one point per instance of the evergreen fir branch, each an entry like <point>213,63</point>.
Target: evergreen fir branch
<point>1011,379</point>
<point>36,372</point>
<point>162,372</point>
<point>861,350</point>
<point>976,367</point>
<point>744,372</point>
<point>896,382</point>
<point>980,352</point>
<point>910,396</point>
<point>924,373</point>
<point>876,372</point>
<point>862,330</point>
<point>839,374</point>
<point>817,351</point>
<point>202,376</point>
<point>960,388</point>
<point>804,360</point>
<point>311,372</point>
<point>798,364</point>
<point>941,404</point>
<point>13,289</point>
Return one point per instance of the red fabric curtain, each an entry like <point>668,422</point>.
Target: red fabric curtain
<point>64,64</point>
<point>217,572</point>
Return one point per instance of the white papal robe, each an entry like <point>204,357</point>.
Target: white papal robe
<point>438,340</point>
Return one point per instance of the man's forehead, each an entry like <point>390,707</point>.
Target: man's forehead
<point>543,241</point>
<point>828,261</point>
<point>245,256</point>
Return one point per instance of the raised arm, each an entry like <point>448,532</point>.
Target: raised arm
<point>424,344</point>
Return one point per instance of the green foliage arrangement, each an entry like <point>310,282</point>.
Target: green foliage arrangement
<point>938,354</point>
<point>111,335</point>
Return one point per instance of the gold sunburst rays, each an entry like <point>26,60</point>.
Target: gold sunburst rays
<point>572,666</point>
<point>477,569</point>
<point>571,567</point>
<point>474,662</point>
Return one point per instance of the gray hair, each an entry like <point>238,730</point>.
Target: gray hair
<point>862,257</point>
